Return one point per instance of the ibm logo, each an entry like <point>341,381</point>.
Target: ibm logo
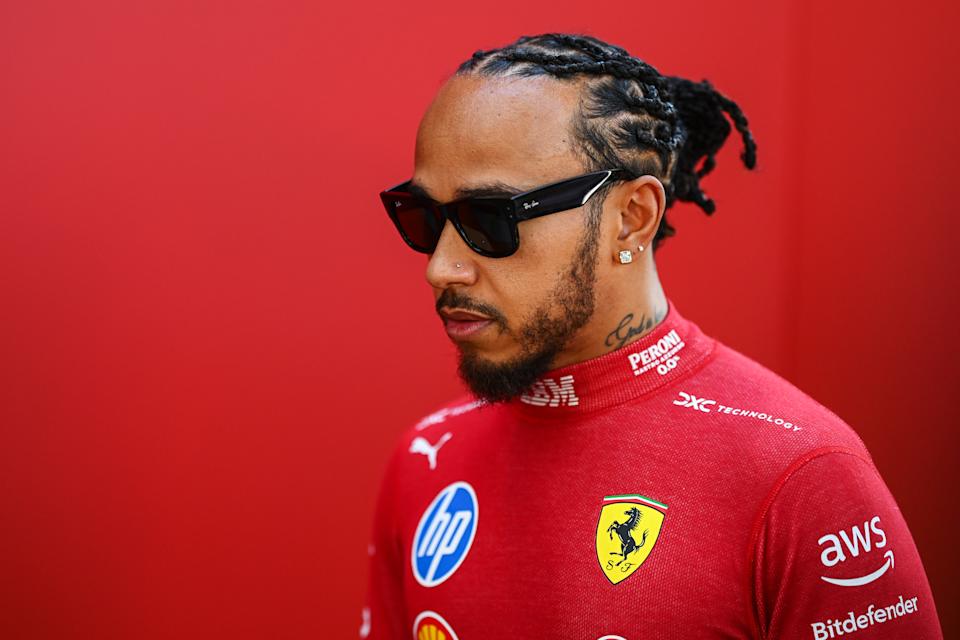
<point>444,534</point>
<point>549,393</point>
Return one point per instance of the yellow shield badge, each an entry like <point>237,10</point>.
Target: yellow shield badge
<point>628,528</point>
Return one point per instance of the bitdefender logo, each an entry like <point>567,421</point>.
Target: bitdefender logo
<point>874,614</point>
<point>838,548</point>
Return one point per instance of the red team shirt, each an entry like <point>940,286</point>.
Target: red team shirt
<point>672,488</point>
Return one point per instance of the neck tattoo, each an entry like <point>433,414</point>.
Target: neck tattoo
<point>628,329</point>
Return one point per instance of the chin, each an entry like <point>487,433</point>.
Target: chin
<point>490,354</point>
<point>500,380</point>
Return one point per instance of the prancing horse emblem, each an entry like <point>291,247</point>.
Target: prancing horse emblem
<point>636,534</point>
<point>624,531</point>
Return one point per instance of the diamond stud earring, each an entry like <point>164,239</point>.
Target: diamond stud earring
<point>625,257</point>
<point>640,248</point>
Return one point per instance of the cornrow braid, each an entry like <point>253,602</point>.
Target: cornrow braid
<point>630,115</point>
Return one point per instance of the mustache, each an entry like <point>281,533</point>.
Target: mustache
<point>456,300</point>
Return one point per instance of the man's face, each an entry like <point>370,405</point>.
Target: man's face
<point>512,318</point>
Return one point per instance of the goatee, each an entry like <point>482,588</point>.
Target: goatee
<point>543,337</point>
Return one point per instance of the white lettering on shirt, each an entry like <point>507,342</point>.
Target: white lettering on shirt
<point>550,393</point>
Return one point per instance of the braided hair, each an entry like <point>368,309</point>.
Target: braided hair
<point>630,115</point>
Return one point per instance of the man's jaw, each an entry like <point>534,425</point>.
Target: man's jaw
<point>503,379</point>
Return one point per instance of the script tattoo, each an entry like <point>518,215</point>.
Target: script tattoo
<point>622,334</point>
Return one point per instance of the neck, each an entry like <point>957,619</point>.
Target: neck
<point>652,362</point>
<point>624,314</point>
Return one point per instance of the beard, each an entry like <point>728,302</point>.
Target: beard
<point>543,336</point>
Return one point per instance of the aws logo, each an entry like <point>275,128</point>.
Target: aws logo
<point>837,548</point>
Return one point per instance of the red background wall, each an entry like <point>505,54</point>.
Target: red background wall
<point>210,335</point>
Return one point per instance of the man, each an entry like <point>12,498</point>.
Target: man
<point>615,473</point>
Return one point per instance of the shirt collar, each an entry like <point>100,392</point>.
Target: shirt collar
<point>669,351</point>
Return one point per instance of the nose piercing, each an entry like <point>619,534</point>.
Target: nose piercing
<point>459,266</point>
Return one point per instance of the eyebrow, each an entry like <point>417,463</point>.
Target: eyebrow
<point>486,189</point>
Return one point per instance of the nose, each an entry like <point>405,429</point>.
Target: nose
<point>452,262</point>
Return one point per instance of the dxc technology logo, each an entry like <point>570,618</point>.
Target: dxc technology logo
<point>687,400</point>
<point>445,534</point>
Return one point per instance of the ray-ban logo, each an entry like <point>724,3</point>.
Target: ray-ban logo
<point>530,205</point>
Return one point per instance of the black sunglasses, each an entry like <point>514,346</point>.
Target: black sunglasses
<point>487,224</point>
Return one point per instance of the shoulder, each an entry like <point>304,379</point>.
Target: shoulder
<point>824,519</point>
<point>450,412</point>
<point>742,388</point>
<point>755,421</point>
<point>831,544</point>
<point>416,448</point>
<point>419,442</point>
<point>459,413</point>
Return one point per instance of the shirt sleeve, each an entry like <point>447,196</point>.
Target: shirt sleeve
<point>833,557</point>
<point>382,617</point>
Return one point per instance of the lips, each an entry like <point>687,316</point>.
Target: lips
<point>463,324</point>
<point>462,316</point>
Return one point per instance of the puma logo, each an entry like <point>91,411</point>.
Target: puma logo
<point>422,445</point>
<point>365,622</point>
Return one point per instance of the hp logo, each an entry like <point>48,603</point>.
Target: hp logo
<point>444,535</point>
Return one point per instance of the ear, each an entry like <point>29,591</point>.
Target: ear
<point>641,204</point>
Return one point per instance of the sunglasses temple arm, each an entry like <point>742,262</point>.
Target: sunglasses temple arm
<point>563,205</point>
<point>592,191</point>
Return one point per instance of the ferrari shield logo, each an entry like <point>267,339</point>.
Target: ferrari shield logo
<point>628,528</point>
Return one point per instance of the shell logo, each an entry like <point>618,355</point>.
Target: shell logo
<point>431,631</point>
<point>430,625</point>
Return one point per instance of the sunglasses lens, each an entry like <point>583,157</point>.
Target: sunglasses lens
<point>486,226</point>
<point>420,224</point>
